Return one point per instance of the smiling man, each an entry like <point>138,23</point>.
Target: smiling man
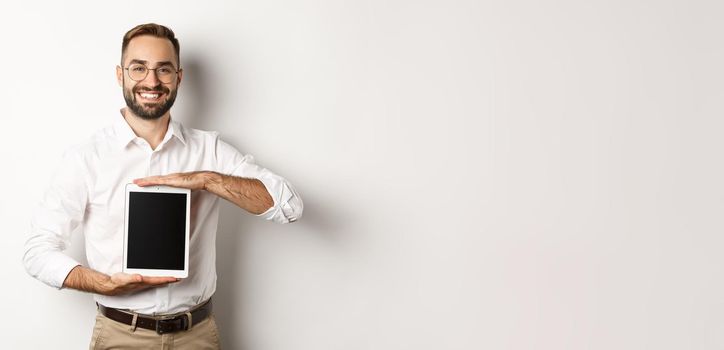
<point>146,146</point>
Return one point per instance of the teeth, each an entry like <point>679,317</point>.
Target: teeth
<point>153,96</point>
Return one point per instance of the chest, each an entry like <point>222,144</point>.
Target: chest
<point>114,170</point>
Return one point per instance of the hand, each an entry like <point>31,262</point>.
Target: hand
<point>123,283</point>
<point>196,180</point>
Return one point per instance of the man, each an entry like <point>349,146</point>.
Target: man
<point>88,191</point>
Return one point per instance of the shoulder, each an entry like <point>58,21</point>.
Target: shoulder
<point>205,140</point>
<point>197,135</point>
<point>90,145</point>
<point>211,144</point>
<point>97,146</point>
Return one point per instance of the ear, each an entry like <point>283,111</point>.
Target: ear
<point>119,75</point>
<point>180,76</point>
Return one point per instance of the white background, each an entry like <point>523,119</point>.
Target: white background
<point>476,175</point>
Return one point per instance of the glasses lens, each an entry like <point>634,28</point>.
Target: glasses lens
<point>165,74</point>
<point>137,72</point>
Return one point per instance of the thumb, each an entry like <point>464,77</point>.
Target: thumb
<point>124,278</point>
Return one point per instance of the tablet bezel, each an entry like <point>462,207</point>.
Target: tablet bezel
<point>157,272</point>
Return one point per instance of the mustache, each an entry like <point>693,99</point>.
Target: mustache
<point>158,87</point>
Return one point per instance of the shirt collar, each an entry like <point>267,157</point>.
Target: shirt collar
<point>176,129</point>
<point>124,134</point>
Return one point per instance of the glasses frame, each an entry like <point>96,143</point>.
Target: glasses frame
<point>176,71</point>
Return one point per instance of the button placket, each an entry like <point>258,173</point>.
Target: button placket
<point>152,161</point>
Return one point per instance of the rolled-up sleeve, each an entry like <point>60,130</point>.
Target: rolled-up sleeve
<point>288,205</point>
<point>56,217</point>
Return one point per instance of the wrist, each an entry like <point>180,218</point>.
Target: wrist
<point>104,284</point>
<point>88,280</point>
<point>211,179</point>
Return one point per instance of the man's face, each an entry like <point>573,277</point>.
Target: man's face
<point>149,98</point>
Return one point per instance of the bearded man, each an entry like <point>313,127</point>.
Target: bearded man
<point>147,147</point>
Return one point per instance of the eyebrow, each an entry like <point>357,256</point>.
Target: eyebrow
<point>158,64</point>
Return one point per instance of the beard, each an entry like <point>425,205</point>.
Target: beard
<point>149,111</point>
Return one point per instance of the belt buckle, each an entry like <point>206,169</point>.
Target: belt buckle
<point>171,325</point>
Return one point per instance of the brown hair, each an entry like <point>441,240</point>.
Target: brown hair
<point>152,29</point>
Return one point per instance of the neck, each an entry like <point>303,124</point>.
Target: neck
<point>152,131</point>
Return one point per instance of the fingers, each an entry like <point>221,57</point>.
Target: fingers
<point>154,281</point>
<point>151,180</point>
<point>122,283</point>
<point>125,278</point>
<point>192,180</point>
<point>176,180</point>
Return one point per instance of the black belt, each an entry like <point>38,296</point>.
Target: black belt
<point>160,324</point>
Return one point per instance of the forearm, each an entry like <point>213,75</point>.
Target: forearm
<point>249,194</point>
<point>87,280</point>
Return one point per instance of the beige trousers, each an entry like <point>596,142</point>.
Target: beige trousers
<point>109,334</point>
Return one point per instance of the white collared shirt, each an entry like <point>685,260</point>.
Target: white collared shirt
<point>88,192</point>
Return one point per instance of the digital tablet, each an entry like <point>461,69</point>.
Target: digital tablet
<point>156,233</point>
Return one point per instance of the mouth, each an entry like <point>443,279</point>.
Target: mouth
<point>149,96</point>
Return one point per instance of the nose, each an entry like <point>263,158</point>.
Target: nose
<point>152,78</point>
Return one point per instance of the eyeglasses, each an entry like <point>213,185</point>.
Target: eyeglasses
<point>138,72</point>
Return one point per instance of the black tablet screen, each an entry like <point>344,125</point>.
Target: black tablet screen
<point>156,230</point>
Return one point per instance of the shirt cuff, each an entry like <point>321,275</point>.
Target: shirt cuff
<point>56,268</point>
<point>281,194</point>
